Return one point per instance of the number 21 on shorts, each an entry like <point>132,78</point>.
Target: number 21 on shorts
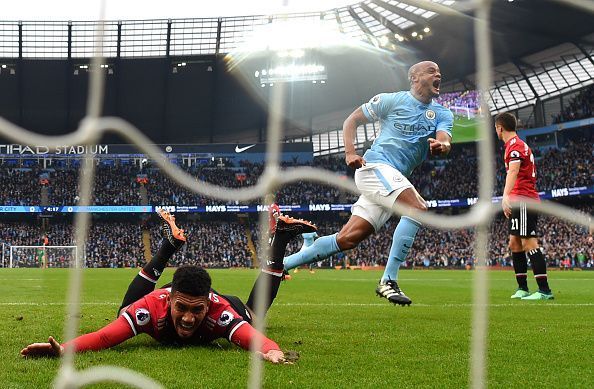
<point>514,224</point>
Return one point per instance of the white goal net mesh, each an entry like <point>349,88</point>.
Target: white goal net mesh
<point>42,256</point>
<point>94,126</point>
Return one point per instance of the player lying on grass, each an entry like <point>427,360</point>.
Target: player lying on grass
<point>187,311</point>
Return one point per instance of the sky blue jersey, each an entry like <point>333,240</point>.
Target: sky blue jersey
<point>405,125</point>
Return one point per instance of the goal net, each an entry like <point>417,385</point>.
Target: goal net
<point>41,256</point>
<point>94,126</point>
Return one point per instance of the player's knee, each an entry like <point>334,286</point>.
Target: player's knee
<point>347,241</point>
<point>421,206</point>
<point>515,246</point>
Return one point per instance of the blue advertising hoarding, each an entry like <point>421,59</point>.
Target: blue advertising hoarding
<point>226,208</point>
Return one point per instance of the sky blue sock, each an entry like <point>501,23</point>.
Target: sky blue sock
<point>404,236</point>
<point>321,249</point>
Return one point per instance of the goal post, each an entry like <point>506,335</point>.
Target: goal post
<point>42,256</point>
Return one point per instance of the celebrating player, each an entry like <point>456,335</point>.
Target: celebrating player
<point>411,124</point>
<point>520,184</point>
<point>187,311</point>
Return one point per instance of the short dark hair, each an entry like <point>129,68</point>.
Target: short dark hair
<point>191,280</point>
<point>507,121</point>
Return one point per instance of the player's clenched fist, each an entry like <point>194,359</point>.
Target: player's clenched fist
<point>354,161</point>
<point>438,148</point>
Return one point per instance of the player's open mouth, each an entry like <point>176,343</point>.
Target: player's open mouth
<point>436,84</point>
<point>185,328</point>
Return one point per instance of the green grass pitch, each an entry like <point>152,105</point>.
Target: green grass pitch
<point>465,130</point>
<point>346,336</point>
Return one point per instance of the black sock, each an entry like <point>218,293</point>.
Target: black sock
<point>539,267</point>
<point>271,270</point>
<point>273,286</point>
<point>278,247</point>
<point>154,268</point>
<point>521,269</point>
<point>145,281</point>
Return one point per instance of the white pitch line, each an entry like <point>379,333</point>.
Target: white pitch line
<point>466,125</point>
<point>296,278</point>
<point>385,304</point>
<point>434,305</point>
<point>33,304</point>
<point>404,280</point>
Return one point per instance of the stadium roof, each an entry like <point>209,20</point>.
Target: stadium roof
<point>541,48</point>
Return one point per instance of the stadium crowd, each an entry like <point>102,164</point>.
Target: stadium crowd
<point>214,244</point>
<point>581,106</point>
<point>456,100</point>
<point>230,244</point>
<point>120,244</point>
<point>454,177</point>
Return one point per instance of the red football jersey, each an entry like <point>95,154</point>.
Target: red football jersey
<point>516,151</point>
<point>150,315</point>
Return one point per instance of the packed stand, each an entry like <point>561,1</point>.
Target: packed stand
<point>20,186</point>
<point>457,177</point>
<point>453,177</point>
<point>162,190</point>
<point>210,245</point>
<point>466,99</point>
<point>113,185</point>
<point>115,244</point>
<point>580,106</point>
<point>554,171</point>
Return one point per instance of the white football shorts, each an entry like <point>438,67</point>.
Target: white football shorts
<point>380,186</point>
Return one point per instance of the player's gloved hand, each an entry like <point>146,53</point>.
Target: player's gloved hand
<point>354,161</point>
<point>505,204</point>
<point>50,349</point>
<point>274,356</point>
<point>438,148</point>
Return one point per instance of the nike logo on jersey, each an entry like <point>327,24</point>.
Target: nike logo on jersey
<point>242,149</point>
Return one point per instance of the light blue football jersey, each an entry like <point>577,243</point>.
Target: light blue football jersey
<point>405,124</point>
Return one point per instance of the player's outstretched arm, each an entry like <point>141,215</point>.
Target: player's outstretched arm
<point>50,349</point>
<point>112,334</point>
